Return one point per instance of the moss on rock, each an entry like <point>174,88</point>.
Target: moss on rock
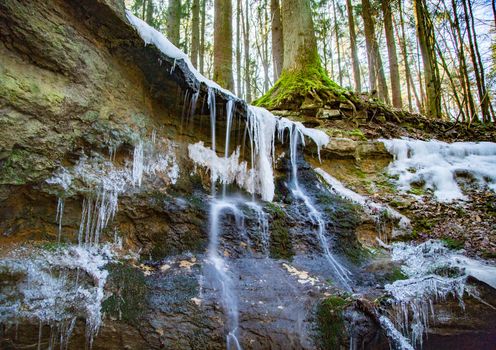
<point>128,287</point>
<point>330,322</point>
<point>281,246</point>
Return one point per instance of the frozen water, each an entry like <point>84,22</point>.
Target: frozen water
<point>437,165</point>
<point>434,273</point>
<point>56,287</point>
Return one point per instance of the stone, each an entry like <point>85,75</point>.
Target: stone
<point>324,113</point>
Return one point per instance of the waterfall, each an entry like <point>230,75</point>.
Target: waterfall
<point>340,271</point>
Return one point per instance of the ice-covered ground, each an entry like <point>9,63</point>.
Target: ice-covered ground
<point>436,165</point>
<point>434,273</point>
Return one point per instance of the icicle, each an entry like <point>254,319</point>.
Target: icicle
<point>211,106</point>
<point>58,217</point>
<point>138,164</point>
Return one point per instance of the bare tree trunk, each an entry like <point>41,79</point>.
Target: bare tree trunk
<point>402,40</point>
<point>173,21</point>
<point>477,62</point>
<point>223,44</point>
<point>452,83</point>
<point>238,48</point>
<point>277,43</point>
<point>246,42</point>
<point>149,12</point>
<point>195,32</point>
<point>427,41</point>
<point>300,44</point>
<point>464,77</point>
<point>377,77</point>
<point>354,52</point>
<point>338,45</point>
<point>202,37</point>
<point>393,59</point>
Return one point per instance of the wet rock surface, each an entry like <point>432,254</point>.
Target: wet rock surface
<point>68,91</point>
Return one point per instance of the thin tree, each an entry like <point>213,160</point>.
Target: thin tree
<point>476,61</point>
<point>425,33</point>
<point>238,48</point>
<point>404,53</point>
<point>338,45</point>
<point>246,45</point>
<point>353,46</point>
<point>394,73</point>
<point>464,77</point>
<point>276,35</point>
<point>202,37</point>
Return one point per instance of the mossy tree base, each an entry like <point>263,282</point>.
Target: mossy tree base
<point>303,88</point>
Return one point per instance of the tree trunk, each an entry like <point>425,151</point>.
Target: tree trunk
<point>427,41</point>
<point>202,38</point>
<point>149,12</point>
<point>408,74</point>
<point>476,61</point>
<point>238,48</point>
<point>300,45</point>
<point>377,78</point>
<point>223,44</point>
<point>393,59</point>
<point>173,21</point>
<point>195,32</point>
<point>338,45</point>
<point>246,42</point>
<point>277,43</point>
<point>354,52</point>
<point>464,77</point>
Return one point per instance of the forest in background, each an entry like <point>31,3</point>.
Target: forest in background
<point>394,51</point>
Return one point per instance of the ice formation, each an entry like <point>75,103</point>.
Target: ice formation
<point>437,165</point>
<point>434,273</point>
<point>261,124</point>
<point>375,210</point>
<point>152,36</point>
<point>55,287</point>
<point>102,183</point>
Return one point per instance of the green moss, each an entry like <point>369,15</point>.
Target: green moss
<point>487,254</point>
<point>330,322</point>
<point>129,292</point>
<point>395,274</point>
<point>418,191</point>
<point>53,246</point>
<point>281,246</point>
<point>297,84</point>
<point>425,225</point>
<point>453,243</point>
<point>355,134</point>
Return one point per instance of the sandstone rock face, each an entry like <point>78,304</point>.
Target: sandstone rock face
<point>81,100</point>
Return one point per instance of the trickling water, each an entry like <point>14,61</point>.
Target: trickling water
<point>263,225</point>
<point>340,271</point>
<point>229,300</point>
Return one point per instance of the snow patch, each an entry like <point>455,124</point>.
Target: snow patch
<point>437,164</point>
